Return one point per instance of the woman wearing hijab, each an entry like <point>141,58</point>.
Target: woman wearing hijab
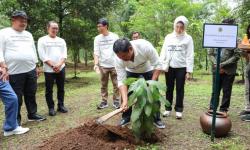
<point>177,57</point>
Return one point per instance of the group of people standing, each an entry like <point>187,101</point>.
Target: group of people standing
<point>114,57</point>
<point>139,59</point>
<point>19,69</point>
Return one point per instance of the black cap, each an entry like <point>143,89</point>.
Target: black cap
<point>19,13</point>
<point>229,21</point>
<point>103,21</point>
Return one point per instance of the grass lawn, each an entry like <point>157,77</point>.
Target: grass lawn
<point>82,96</point>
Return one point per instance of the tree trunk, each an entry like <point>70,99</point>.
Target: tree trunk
<point>78,57</point>
<point>86,57</point>
<point>60,17</point>
<point>242,69</point>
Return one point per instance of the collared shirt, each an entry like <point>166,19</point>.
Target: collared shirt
<point>145,59</point>
<point>103,48</point>
<point>229,59</point>
<point>53,49</point>
<point>17,50</point>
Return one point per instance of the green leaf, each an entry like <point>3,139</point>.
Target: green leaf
<point>148,110</point>
<point>155,107</point>
<point>149,95</point>
<point>149,125</point>
<point>132,99</point>
<point>129,81</point>
<point>164,101</point>
<point>142,100</point>
<point>136,114</point>
<point>157,84</point>
<point>155,93</point>
<point>136,128</point>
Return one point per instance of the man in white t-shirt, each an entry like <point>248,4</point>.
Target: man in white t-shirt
<point>135,59</point>
<point>19,54</point>
<point>53,53</point>
<point>104,62</point>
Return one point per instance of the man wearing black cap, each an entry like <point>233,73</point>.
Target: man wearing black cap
<point>104,62</point>
<point>19,53</point>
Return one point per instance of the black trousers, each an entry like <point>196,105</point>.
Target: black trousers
<point>50,78</point>
<point>225,84</point>
<point>25,84</point>
<point>175,75</point>
<point>146,76</point>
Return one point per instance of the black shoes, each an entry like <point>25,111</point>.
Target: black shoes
<point>36,117</point>
<point>62,109</point>
<point>116,104</point>
<point>102,105</point>
<point>52,112</point>
<point>159,124</point>
<point>124,122</point>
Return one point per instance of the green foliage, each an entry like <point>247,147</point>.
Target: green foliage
<point>145,99</point>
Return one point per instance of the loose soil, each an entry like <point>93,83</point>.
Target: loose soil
<point>92,136</point>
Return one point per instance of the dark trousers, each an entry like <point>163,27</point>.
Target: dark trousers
<point>225,84</point>
<point>175,75</point>
<point>25,84</point>
<point>146,76</point>
<point>50,78</point>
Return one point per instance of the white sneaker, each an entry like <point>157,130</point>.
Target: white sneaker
<point>166,113</point>
<point>18,130</point>
<point>178,115</point>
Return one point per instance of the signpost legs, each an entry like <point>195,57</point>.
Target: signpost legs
<point>216,93</point>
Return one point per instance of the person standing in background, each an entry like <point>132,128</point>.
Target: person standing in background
<point>136,35</point>
<point>177,57</point>
<point>104,62</point>
<point>245,114</point>
<point>19,55</point>
<point>53,53</point>
<point>228,67</point>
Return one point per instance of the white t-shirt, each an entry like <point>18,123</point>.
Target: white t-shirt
<point>177,52</point>
<point>103,48</point>
<point>17,50</point>
<point>53,49</point>
<point>146,59</point>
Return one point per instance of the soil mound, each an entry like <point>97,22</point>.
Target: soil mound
<point>92,136</point>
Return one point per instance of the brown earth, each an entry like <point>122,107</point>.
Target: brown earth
<point>92,136</point>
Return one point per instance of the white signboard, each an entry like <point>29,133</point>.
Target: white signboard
<point>220,36</point>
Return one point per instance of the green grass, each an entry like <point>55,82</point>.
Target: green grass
<point>83,94</point>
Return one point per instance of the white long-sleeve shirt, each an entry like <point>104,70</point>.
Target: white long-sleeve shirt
<point>53,49</point>
<point>17,50</point>
<point>145,59</point>
<point>178,49</point>
<point>177,52</point>
<point>103,48</point>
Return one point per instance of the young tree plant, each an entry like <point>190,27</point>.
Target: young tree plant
<point>145,97</point>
